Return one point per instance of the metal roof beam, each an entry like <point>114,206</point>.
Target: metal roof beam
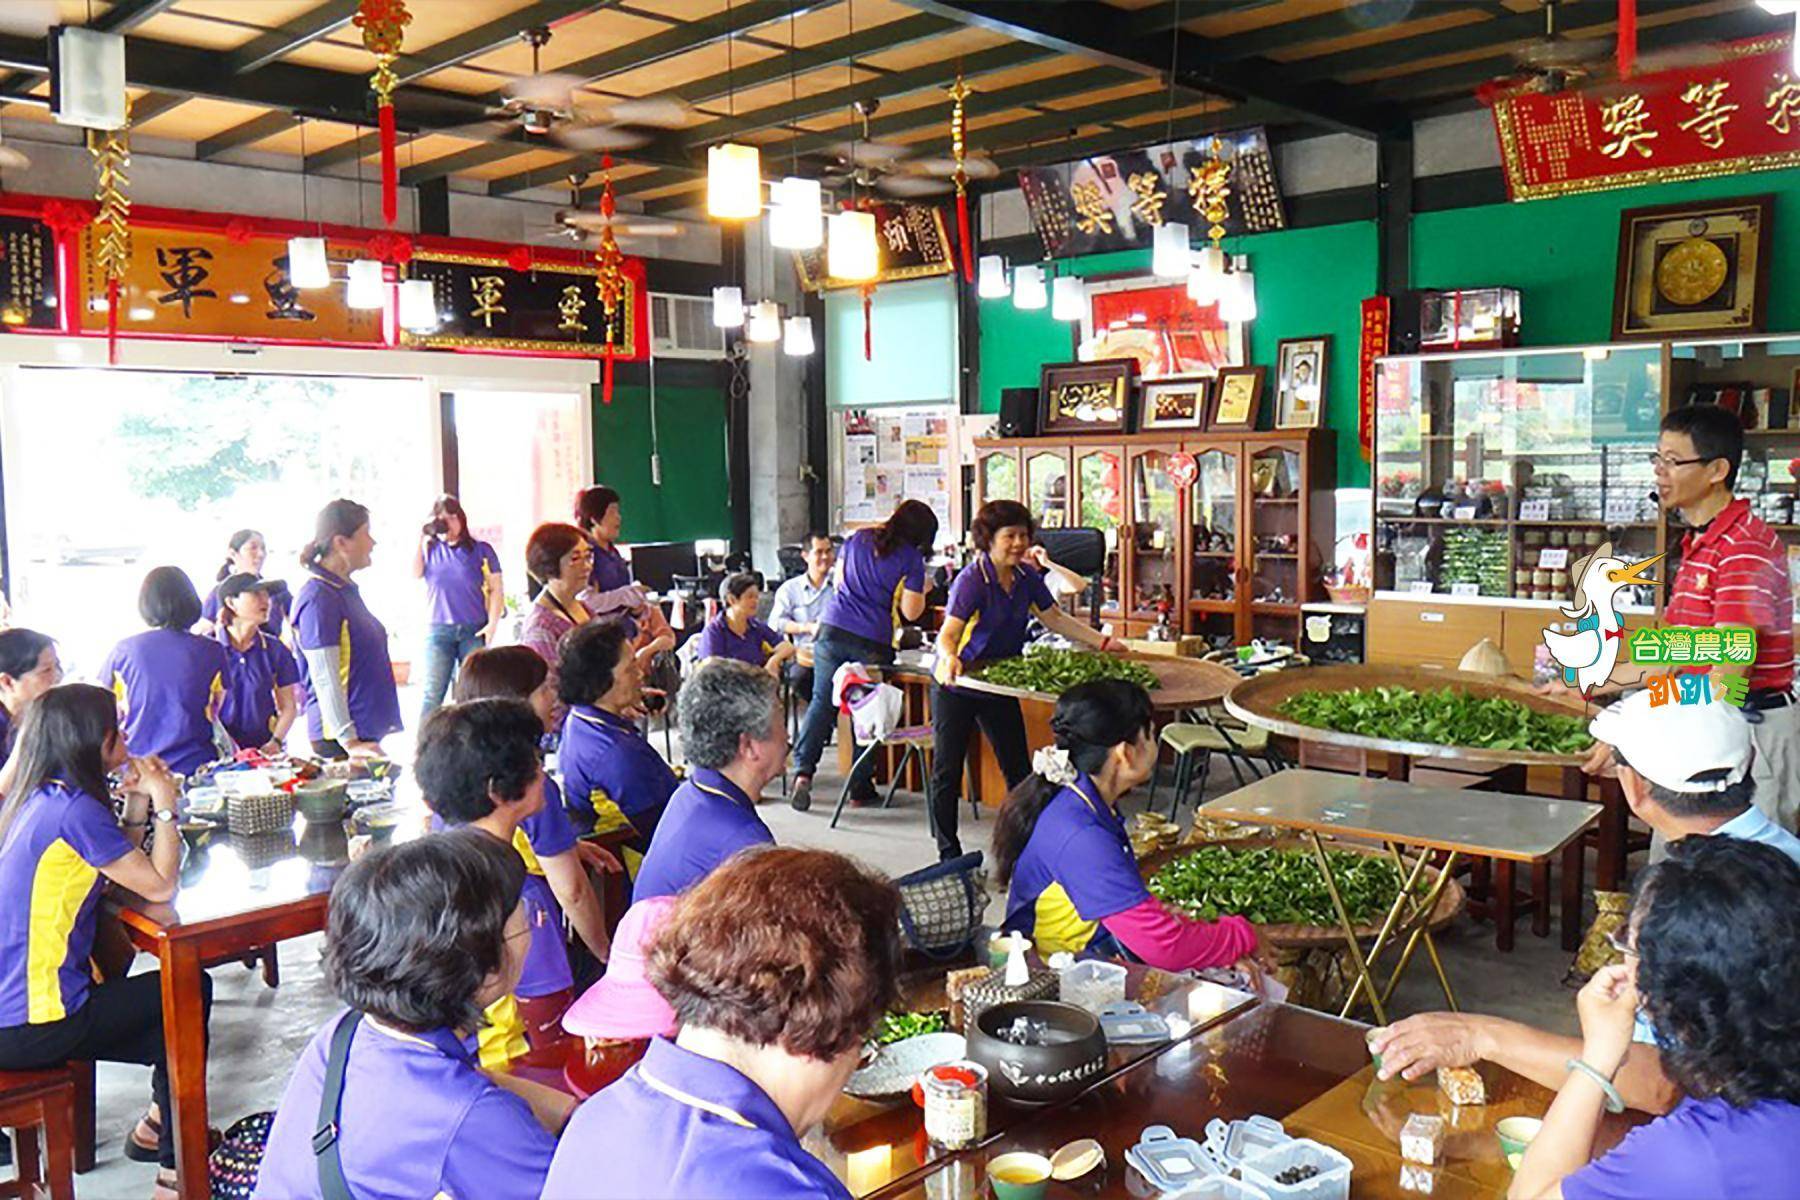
<point>264,49</point>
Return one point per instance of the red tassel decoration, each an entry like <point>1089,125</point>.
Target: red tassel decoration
<point>390,178</point>
<point>112,322</point>
<point>962,233</point>
<point>1627,38</point>
<point>868,295</point>
<point>606,377</point>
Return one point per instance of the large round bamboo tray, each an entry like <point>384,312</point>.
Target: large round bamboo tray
<point>1308,937</point>
<point>1257,701</point>
<point>1181,682</point>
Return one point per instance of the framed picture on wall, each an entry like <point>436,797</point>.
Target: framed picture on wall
<point>1086,397</point>
<point>1174,404</point>
<point>1239,397</point>
<point>1156,323</point>
<point>1300,365</point>
<point>1694,268</point>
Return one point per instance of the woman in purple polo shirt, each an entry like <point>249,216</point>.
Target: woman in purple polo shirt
<point>58,841</point>
<point>737,632</point>
<point>992,602</point>
<point>1714,964</point>
<point>351,700</point>
<point>259,706</point>
<point>422,937</point>
<point>611,591</point>
<point>613,778</point>
<point>462,581</point>
<point>168,681</point>
<point>28,668</point>
<point>558,558</point>
<point>246,551</point>
<point>777,965</point>
<point>880,580</point>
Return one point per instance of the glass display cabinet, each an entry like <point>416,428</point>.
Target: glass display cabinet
<point>1100,504</point>
<point>1155,581</point>
<point>1047,486</point>
<point>1214,524</point>
<point>996,476</point>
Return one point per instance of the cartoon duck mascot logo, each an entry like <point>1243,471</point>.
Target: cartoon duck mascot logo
<point>1589,654</point>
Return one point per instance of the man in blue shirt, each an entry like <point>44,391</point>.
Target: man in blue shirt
<point>1685,771</point>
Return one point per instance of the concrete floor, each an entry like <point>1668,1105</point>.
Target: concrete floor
<point>258,1033</point>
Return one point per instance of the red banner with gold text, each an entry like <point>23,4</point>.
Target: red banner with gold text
<point>1734,109</point>
<point>1374,345</point>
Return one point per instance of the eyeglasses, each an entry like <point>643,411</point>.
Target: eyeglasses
<point>1621,942</point>
<point>1665,462</point>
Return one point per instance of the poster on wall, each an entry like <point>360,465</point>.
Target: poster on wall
<point>890,455</point>
<point>1116,201</point>
<point>184,282</point>
<point>28,291</point>
<point>486,303</point>
<point>1156,323</point>
<point>1730,109</point>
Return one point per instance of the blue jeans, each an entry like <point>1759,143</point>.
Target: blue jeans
<point>445,648</point>
<point>832,649</point>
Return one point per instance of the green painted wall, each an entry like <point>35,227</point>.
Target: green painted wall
<point>1308,282</point>
<point>693,501</point>
<point>1562,254</point>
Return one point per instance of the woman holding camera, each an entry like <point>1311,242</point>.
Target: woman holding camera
<point>462,580</point>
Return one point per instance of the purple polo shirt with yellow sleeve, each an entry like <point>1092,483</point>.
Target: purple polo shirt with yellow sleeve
<point>417,1121</point>
<point>1076,870</point>
<point>679,1126</point>
<point>995,618</point>
<point>612,777</point>
<point>49,893</point>
<point>867,599</point>
<point>170,682</point>
<point>329,613</point>
<point>456,580</point>
<point>252,676</point>
<point>753,646</point>
<point>708,820</point>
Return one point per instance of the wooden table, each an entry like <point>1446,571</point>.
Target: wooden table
<point>1307,1069</point>
<point>226,907</point>
<point>1402,816</point>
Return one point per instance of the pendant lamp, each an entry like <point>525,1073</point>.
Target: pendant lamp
<point>990,279</point>
<point>1169,257</point>
<point>797,338</point>
<point>1067,298</point>
<point>1207,275</point>
<point>796,214</point>
<point>1028,288</point>
<point>1237,296</point>
<point>733,182</point>
<point>307,268</point>
<point>368,287</point>
<point>850,250</point>
<point>765,322</point>
<point>418,306</point>
<point>728,307</point>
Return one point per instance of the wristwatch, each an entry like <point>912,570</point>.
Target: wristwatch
<point>164,814</point>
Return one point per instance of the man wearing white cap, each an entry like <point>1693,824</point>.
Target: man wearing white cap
<point>1685,771</point>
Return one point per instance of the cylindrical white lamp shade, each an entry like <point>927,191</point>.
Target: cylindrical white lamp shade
<point>1207,274</point>
<point>728,307</point>
<point>1067,298</point>
<point>733,182</point>
<point>796,214</point>
<point>990,277</point>
<point>306,263</point>
<point>367,287</point>
<point>1028,288</point>
<point>765,322</point>
<point>1237,297</point>
<point>418,306</point>
<point>1169,257</point>
<point>797,336</point>
<point>850,251</point>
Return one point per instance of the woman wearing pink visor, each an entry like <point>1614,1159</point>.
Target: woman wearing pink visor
<point>619,1015</point>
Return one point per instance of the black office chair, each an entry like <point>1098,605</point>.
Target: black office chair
<point>792,560</point>
<point>1083,551</point>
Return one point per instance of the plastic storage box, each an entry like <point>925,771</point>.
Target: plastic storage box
<point>1231,1143</point>
<point>1331,1183</point>
<point>1093,985</point>
<point>1218,1187</point>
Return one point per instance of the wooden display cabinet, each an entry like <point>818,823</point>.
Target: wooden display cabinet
<point>1193,550</point>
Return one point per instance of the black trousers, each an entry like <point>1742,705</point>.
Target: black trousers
<point>121,1022</point>
<point>954,714</point>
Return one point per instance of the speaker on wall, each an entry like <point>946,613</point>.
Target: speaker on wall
<point>1018,412</point>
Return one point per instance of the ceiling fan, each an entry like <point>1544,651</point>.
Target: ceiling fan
<point>889,168</point>
<point>582,226</point>
<point>545,105</point>
<point>1555,62</point>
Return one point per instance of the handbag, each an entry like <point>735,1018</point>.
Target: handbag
<point>942,905</point>
<point>332,1184</point>
<point>232,1168</point>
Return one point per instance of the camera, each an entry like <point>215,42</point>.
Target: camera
<point>436,527</point>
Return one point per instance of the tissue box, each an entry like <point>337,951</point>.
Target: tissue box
<point>1462,1085</point>
<point>1422,1139</point>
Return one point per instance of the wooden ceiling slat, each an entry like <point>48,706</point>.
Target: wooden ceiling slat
<point>254,130</point>
<point>1343,22</point>
<point>303,30</point>
<point>915,28</point>
<point>497,33</point>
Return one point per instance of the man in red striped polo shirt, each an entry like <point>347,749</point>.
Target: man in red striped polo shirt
<point>1733,571</point>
